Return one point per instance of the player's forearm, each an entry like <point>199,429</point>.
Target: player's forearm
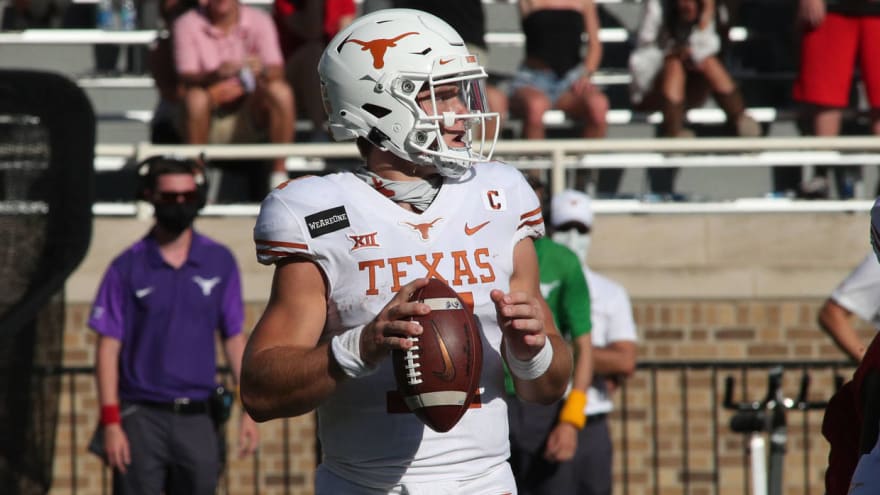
<point>287,381</point>
<point>550,386</point>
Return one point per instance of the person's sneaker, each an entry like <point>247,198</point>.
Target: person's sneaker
<point>815,188</point>
<point>748,127</point>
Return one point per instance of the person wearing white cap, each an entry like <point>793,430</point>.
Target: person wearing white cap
<point>613,337</point>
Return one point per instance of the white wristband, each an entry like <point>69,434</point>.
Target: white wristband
<point>346,349</point>
<point>534,367</point>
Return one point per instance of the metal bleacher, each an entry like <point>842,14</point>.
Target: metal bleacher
<point>124,102</point>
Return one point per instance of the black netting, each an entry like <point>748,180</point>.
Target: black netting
<point>47,138</point>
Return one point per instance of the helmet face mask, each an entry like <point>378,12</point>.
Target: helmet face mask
<point>403,80</point>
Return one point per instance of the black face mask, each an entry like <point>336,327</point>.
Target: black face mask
<point>176,217</point>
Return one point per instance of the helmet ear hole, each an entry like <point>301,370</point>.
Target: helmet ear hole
<point>376,110</point>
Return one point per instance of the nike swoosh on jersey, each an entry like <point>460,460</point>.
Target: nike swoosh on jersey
<point>475,229</point>
<point>448,373</point>
<point>444,62</point>
<point>141,293</point>
<point>546,289</point>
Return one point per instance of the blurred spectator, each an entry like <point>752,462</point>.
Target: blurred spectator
<point>29,14</point>
<point>544,439</point>
<point>556,75</point>
<point>87,15</point>
<point>124,15</point>
<point>858,294</point>
<point>167,114</point>
<point>159,307</point>
<point>613,337</point>
<point>834,35</point>
<point>674,67</point>
<point>229,61</point>
<point>304,29</point>
<point>469,19</point>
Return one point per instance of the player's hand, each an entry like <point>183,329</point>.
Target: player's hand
<point>116,447</point>
<point>521,319</point>
<point>248,436</point>
<point>811,12</point>
<point>391,328</point>
<point>561,443</point>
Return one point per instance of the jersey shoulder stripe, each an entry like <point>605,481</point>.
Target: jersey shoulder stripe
<point>282,228</point>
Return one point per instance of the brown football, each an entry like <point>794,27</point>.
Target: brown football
<point>439,376</point>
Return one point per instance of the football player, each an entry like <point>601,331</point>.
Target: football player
<point>350,248</point>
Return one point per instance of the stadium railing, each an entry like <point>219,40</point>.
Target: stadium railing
<point>558,156</point>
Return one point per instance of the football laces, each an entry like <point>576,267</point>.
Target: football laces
<point>411,363</point>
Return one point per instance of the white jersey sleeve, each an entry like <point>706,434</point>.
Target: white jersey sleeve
<point>859,292</point>
<point>279,231</point>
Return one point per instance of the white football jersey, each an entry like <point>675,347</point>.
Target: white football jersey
<point>368,248</point>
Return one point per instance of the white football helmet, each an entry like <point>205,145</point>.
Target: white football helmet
<point>374,69</point>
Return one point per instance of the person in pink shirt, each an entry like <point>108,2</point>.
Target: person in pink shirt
<point>229,62</point>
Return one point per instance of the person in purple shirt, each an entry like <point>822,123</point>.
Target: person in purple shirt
<point>156,312</point>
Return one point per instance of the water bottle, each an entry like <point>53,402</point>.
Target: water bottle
<point>128,15</point>
<point>106,16</point>
<point>248,81</point>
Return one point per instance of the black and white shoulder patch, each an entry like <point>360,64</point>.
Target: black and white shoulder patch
<point>327,221</point>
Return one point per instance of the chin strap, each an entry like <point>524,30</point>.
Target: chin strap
<point>420,193</point>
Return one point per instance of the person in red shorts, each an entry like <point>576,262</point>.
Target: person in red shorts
<point>304,29</point>
<point>837,35</point>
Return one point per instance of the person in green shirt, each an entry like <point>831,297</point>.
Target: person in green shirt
<point>543,438</point>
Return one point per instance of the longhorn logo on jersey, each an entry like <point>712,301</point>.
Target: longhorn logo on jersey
<point>378,47</point>
<point>424,229</point>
